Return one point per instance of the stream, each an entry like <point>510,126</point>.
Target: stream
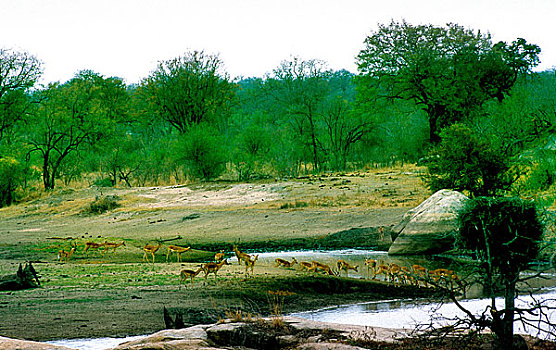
<point>386,313</point>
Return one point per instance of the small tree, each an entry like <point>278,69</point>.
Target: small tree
<point>503,235</point>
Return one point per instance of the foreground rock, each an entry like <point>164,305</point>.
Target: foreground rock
<point>15,344</point>
<point>296,333</point>
<point>429,228</point>
<point>25,277</point>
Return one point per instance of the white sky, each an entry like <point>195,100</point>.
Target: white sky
<point>126,38</point>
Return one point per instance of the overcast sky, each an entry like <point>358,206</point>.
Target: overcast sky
<point>126,38</point>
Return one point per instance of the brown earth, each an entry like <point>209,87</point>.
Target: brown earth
<point>118,294</point>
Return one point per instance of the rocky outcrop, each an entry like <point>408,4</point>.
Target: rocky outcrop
<point>296,333</point>
<point>25,277</point>
<point>16,344</point>
<point>430,227</point>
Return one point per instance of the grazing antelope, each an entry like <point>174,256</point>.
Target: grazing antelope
<point>241,256</point>
<point>184,274</point>
<point>382,269</point>
<point>408,276</point>
<point>420,274</point>
<point>150,249</point>
<point>63,255</point>
<point>213,267</point>
<point>371,266</point>
<point>303,265</point>
<point>285,263</point>
<point>251,264</point>
<point>218,257</point>
<point>345,266</point>
<point>395,274</point>
<point>93,246</point>
<point>317,266</point>
<point>176,249</point>
<point>112,246</point>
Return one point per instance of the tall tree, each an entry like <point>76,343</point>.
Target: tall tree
<point>19,72</point>
<point>449,71</point>
<point>69,116</point>
<point>188,89</point>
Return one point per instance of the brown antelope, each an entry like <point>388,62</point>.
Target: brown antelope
<point>241,256</point>
<point>285,263</point>
<point>420,274</point>
<point>395,274</point>
<point>382,269</point>
<point>150,249</point>
<point>176,249</point>
<point>213,267</point>
<point>112,246</point>
<point>317,266</point>
<point>381,233</point>
<point>184,274</point>
<point>345,266</point>
<point>371,266</point>
<point>63,255</point>
<point>92,246</point>
<point>251,264</point>
<point>408,276</point>
<point>303,265</point>
<point>218,257</point>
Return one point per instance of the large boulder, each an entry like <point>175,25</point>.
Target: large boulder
<point>16,344</point>
<point>430,227</point>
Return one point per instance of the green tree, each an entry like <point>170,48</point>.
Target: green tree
<point>19,72</point>
<point>188,90</point>
<point>450,72</point>
<point>504,235</point>
<point>462,162</point>
<point>11,175</point>
<point>69,116</point>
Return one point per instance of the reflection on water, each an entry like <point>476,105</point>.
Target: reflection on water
<point>410,313</point>
<point>93,344</point>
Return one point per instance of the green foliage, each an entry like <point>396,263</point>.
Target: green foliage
<point>462,162</point>
<point>449,71</point>
<point>203,152</point>
<point>11,177</point>
<point>505,232</point>
<point>103,204</point>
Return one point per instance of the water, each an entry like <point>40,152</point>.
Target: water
<point>93,344</point>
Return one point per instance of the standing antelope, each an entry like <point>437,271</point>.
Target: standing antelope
<point>213,267</point>
<point>251,264</point>
<point>371,265</point>
<point>63,255</point>
<point>303,265</point>
<point>345,266</point>
<point>285,263</point>
<point>112,246</point>
<point>176,249</point>
<point>150,249</point>
<point>218,257</point>
<point>92,245</point>
<point>184,274</point>
<point>241,256</point>
<point>317,266</point>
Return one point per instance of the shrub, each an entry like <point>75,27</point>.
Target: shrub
<point>103,204</point>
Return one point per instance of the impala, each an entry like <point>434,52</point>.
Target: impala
<point>395,273</point>
<point>63,255</point>
<point>241,256</point>
<point>285,263</point>
<point>218,257</point>
<point>176,249</point>
<point>303,265</point>
<point>251,264</point>
<point>112,246</point>
<point>92,245</point>
<point>371,266</point>
<point>150,249</point>
<point>186,273</point>
<point>317,266</point>
<point>420,274</point>
<point>382,269</point>
<point>213,267</point>
<point>345,266</point>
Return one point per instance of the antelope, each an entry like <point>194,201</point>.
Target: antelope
<point>63,255</point>
<point>112,246</point>
<point>150,249</point>
<point>420,274</point>
<point>92,245</point>
<point>371,265</point>
<point>285,263</point>
<point>176,249</point>
<point>382,269</point>
<point>219,256</point>
<point>408,278</point>
<point>251,264</point>
<point>316,266</point>
<point>184,274</point>
<point>395,273</point>
<point>241,255</point>
<point>303,265</point>
<point>345,266</point>
<point>213,267</point>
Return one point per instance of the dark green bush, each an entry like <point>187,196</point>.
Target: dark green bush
<point>103,204</point>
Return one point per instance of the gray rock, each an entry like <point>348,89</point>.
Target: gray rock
<point>430,227</point>
<point>15,344</point>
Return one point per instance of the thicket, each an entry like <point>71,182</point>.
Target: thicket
<point>189,121</point>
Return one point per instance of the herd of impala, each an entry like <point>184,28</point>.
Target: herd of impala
<point>415,275</point>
